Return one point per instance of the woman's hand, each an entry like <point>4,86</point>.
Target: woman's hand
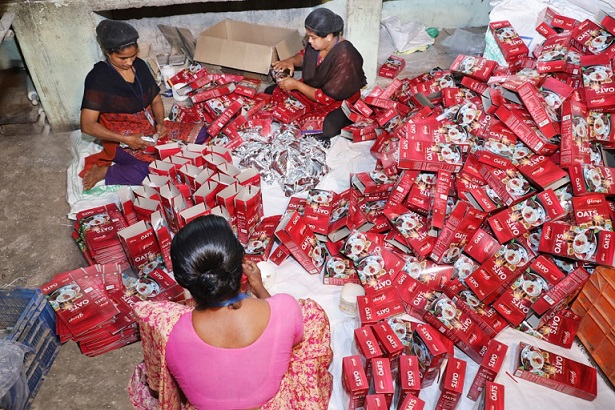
<point>289,84</point>
<point>135,142</point>
<point>287,64</point>
<point>161,130</point>
<point>253,272</point>
<point>292,84</point>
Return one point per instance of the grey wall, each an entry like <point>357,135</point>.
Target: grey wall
<point>58,43</point>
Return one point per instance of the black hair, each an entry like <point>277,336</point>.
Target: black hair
<point>206,258</point>
<point>121,48</point>
<point>323,22</point>
<point>114,36</point>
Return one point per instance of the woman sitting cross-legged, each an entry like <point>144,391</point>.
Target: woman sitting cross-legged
<point>332,71</point>
<point>234,351</point>
<point>121,105</point>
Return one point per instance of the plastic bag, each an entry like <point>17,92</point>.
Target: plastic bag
<point>465,42</point>
<point>407,37</point>
<point>14,391</point>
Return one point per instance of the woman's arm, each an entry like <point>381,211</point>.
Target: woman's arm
<point>158,109</point>
<point>91,126</point>
<point>290,84</point>
<point>255,280</point>
<point>289,63</point>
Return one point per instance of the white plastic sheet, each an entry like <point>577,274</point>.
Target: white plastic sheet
<point>345,157</point>
<point>523,14</point>
<point>81,147</point>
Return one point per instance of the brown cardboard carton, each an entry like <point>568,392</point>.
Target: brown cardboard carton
<point>596,303</point>
<point>246,46</point>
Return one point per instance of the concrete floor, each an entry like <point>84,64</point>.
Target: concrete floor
<point>36,243</point>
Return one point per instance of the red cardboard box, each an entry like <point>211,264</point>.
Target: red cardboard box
<point>289,110</point>
<point>359,245</point>
<point>478,68</point>
<point>482,314</point>
<point>294,233</point>
<point>551,54</point>
<point>411,402</point>
<point>526,215</point>
<point>493,397</point>
<point>558,327</point>
<point>555,372</point>
<point>543,115</point>
<point>392,67</point>
<point>354,381</point>
<point>361,131</point>
<point>260,241</point>
<point>592,210</point>
<point>409,379</point>
<point>509,184</point>
<point>249,210</point>
<point>339,271</point>
<point>481,246</point>
<point>489,368</point>
<point>318,210</point>
<point>424,156</point>
<point>461,224</point>
<point>373,182</point>
<point>373,273</point>
<point>587,179</point>
<point>412,227</point>
<point>375,402</point>
<point>457,326</point>
<point>382,379</point>
<point>368,347</point>
<point>526,130</point>
<point>591,244</point>
<point>574,145</point>
<point>421,193</point>
<point>493,277</point>
<point>562,293</point>
<point>515,303</point>
<point>556,20</point>
<point>451,385</point>
<point>598,82</point>
<point>247,87</point>
<point>389,342</point>
<point>379,306</point>
<point>510,43</point>
<point>214,91</point>
<point>542,172</point>
<point>430,350</point>
<point>141,247</point>
<point>590,38</point>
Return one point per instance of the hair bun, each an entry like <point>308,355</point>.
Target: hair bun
<point>114,34</point>
<point>323,21</point>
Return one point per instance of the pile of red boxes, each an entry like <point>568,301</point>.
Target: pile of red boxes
<point>128,247</point>
<point>491,204</point>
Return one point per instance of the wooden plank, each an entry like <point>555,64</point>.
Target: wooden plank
<point>5,24</point>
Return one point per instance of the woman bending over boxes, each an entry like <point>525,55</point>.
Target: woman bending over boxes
<point>122,107</point>
<point>332,71</point>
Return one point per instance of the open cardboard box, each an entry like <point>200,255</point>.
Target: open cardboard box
<point>246,46</point>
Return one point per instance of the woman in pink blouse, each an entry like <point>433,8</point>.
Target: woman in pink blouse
<point>231,351</point>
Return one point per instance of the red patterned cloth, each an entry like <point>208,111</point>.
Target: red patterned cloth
<point>306,385</point>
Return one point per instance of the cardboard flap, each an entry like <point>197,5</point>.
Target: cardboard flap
<point>181,39</point>
<point>289,46</point>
